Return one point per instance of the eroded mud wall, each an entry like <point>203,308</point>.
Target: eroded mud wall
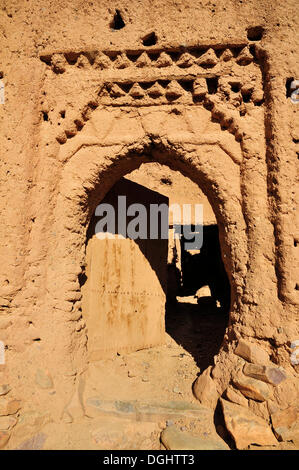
<point>56,78</point>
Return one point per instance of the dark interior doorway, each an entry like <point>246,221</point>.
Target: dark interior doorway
<point>195,284</point>
<point>206,268</point>
<point>197,316</point>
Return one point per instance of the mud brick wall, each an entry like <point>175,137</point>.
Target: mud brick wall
<point>198,86</point>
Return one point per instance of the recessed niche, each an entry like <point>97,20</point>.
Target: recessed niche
<point>150,39</point>
<point>117,22</point>
<point>255,33</point>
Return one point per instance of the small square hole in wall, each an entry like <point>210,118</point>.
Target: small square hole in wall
<point>235,87</point>
<point>117,22</point>
<point>212,84</point>
<point>255,33</point>
<point>288,86</point>
<point>150,39</point>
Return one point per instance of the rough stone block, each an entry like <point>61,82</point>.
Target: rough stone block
<point>205,391</point>
<point>174,439</point>
<point>235,397</point>
<point>252,388</point>
<point>121,435</point>
<point>286,424</point>
<point>252,352</point>
<point>245,427</point>
<point>270,374</point>
<point>135,411</point>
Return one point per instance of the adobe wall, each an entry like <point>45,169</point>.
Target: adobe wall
<point>85,105</point>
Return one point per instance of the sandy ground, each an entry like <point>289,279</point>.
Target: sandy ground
<point>156,378</point>
<point>167,372</point>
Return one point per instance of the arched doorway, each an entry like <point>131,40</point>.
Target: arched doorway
<point>92,167</point>
<point>125,302</point>
<point>131,284</point>
<point>198,109</point>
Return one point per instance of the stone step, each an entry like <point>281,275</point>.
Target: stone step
<point>138,411</point>
<point>103,433</point>
<point>175,439</point>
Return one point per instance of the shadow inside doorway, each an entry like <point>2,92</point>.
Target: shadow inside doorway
<point>194,320</point>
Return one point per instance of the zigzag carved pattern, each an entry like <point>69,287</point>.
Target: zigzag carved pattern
<point>172,76</point>
<point>201,58</point>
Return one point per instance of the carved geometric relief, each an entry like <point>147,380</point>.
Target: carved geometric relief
<point>193,58</point>
<point>201,76</point>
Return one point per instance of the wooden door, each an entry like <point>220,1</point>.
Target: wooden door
<point>125,292</point>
